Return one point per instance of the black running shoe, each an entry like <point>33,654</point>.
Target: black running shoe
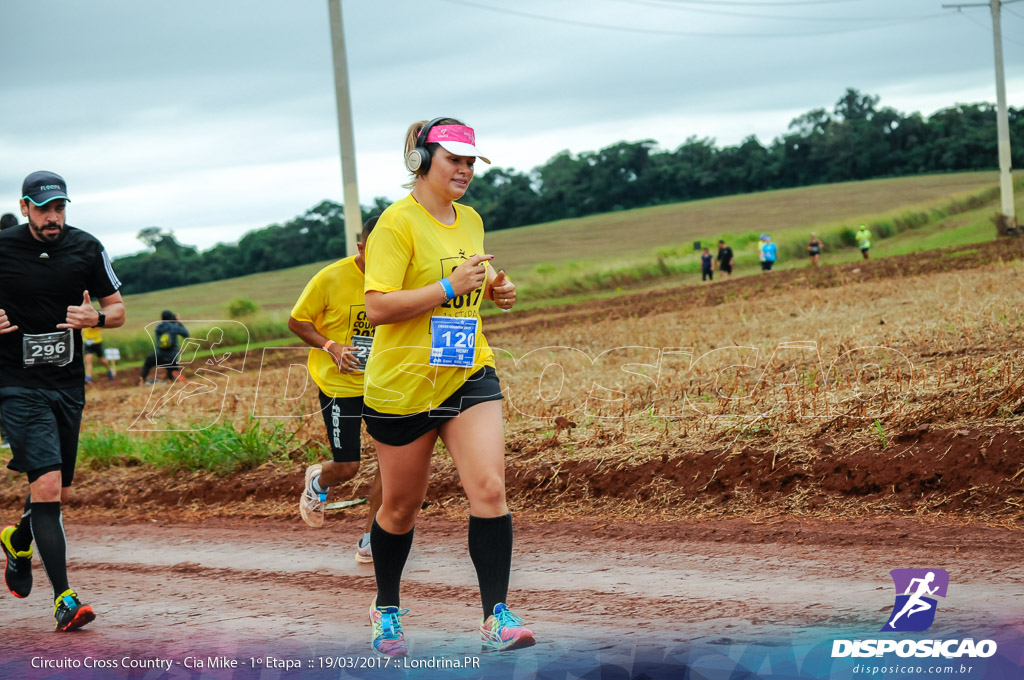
<point>70,613</point>
<point>18,572</point>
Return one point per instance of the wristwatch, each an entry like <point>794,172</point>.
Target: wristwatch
<point>102,320</point>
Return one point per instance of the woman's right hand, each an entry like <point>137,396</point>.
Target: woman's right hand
<point>469,275</point>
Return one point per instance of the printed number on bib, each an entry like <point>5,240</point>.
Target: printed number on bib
<point>452,341</point>
<point>48,349</point>
<point>363,345</point>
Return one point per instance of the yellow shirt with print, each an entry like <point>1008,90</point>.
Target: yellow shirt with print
<point>92,336</point>
<point>410,249</point>
<point>333,302</point>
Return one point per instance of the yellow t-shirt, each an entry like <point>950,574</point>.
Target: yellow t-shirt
<point>410,249</point>
<point>333,302</point>
<point>92,336</point>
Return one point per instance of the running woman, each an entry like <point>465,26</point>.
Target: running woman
<point>330,316</point>
<point>49,272</point>
<point>814,248</point>
<point>431,374</point>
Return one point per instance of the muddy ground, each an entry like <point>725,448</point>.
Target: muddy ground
<point>661,564</point>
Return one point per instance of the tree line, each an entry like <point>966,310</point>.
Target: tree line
<point>855,140</point>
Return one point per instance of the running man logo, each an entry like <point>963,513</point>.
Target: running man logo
<point>913,610</point>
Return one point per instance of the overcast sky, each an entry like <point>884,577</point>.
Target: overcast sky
<point>212,118</point>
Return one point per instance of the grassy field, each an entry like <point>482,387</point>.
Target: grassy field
<point>599,255</point>
<point>805,393</point>
<point>623,234</point>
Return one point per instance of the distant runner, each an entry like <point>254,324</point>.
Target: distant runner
<point>724,258</point>
<point>49,273</point>
<point>707,266</point>
<point>169,334</point>
<point>768,253</point>
<point>330,316</point>
<point>814,247</point>
<point>92,345</point>
<point>863,237</point>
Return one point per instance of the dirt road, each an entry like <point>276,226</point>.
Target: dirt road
<point>659,599</point>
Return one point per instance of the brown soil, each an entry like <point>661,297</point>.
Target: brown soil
<point>668,548</point>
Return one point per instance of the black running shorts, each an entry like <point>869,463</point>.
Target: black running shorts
<point>343,417</point>
<point>42,427</point>
<point>399,430</point>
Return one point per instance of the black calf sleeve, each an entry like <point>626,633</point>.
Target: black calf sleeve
<point>51,544</point>
<point>490,547</point>
<point>390,552</point>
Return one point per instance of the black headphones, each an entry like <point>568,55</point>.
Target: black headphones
<point>418,160</point>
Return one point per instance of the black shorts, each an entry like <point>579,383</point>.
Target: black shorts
<point>767,266</point>
<point>864,250</point>
<point>727,268</point>
<point>42,427</point>
<point>95,348</point>
<point>343,417</point>
<point>399,430</point>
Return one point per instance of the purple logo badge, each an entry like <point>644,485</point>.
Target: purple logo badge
<point>914,609</point>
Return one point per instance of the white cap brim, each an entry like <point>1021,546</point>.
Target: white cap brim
<point>462,149</point>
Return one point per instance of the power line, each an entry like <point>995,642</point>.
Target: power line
<point>1006,222</point>
<point>681,34</point>
<point>675,7</point>
<point>740,3</point>
<point>987,29</point>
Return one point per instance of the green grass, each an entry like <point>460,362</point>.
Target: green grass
<point>950,221</point>
<point>559,262</point>
<point>221,448</point>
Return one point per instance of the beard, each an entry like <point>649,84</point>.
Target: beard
<point>41,235</point>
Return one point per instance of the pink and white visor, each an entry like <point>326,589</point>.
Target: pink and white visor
<point>457,139</point>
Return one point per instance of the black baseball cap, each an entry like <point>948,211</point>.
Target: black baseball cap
<point>43,186</point>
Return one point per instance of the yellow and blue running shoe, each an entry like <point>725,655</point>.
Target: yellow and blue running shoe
<point>388,639</point>
<point>504,630</point>
<point>70,613</point>
<point>18,572</point>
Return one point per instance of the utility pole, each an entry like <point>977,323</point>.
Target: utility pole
<point>346,138</point>
<point>1008,219</point>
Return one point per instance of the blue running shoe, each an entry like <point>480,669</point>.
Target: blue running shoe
<point>504,630</point>
<point>388,639</point>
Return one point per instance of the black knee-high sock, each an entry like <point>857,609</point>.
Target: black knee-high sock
<point>21,537</point>
<point>48,531</point>
<point>390,552</point>
<point>490,547</point>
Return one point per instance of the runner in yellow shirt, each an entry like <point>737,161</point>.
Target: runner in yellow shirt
<point>431,374</point>
<point>330,316</point>
<point>92,344</point>
<point>863,237</point>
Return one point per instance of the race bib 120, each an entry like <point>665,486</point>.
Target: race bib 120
<point>452,341</point>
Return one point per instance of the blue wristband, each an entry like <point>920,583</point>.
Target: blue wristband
<point>448,290</point>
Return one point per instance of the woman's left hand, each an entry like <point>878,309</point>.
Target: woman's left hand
<point>503,291</point>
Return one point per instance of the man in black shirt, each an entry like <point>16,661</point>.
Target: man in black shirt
<point>724,258</point>
<point>49,272</point>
